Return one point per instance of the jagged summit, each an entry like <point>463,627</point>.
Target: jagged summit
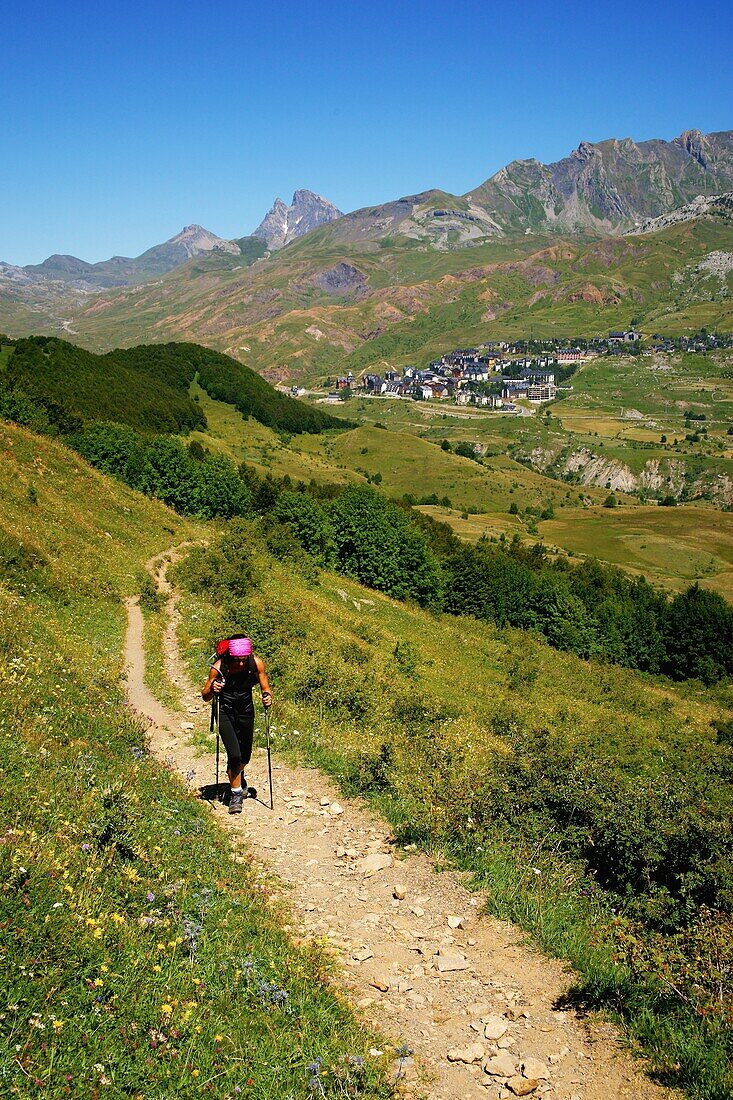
<point>608,186</point>
<point>283,224</point>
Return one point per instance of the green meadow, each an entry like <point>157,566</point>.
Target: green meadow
<point>140,955</point>
<point>671,546</point>
<point>454,729</point>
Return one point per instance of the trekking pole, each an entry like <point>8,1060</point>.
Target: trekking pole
<point>215,721</point>
<point>269,755</point>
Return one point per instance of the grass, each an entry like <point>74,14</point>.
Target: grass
<point>156,676</point>
<point>140,955</point>
<point>415,711</point>
<point>248,441</point>
<point>673,546</point>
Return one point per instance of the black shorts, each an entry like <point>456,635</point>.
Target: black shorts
<point>236,726</point>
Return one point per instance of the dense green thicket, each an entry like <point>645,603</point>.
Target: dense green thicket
<point>147,387</point>
<point>162,467</point>
<point>227,380</point>
<point>594,610</point>
<point>376,543</point>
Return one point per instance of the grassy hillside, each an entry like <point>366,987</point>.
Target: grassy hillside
<point>403,304</point>
<point>558,784</point>
<point>165,970</point>
<point>147,391</point>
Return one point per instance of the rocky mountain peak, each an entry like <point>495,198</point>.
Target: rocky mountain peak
<point>194,239</point>
<point>585,151</point>
<point>693,142</point>
<point>283,224</point>
<point>609,186</point>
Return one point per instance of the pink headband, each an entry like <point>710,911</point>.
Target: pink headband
<point>240,647</point>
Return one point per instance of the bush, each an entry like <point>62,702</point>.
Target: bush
<point>376,543</point>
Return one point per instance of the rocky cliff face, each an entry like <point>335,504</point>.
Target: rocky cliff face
<point>283,224</point>
<point>719,207</point>
<point>610,186</point>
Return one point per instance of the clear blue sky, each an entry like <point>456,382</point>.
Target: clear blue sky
<point>120,122</point>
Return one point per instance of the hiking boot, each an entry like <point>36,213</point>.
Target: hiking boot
<point>236,801</point>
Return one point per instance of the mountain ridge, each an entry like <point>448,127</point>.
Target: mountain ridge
<point>283,224</point>
<point>608,186</point>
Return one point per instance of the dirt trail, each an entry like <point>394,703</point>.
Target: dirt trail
<point>463,990</point>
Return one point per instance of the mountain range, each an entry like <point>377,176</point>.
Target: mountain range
<point>280,226</point>
<point>312,291</point>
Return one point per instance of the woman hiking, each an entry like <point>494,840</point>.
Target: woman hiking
<point>231,679</point>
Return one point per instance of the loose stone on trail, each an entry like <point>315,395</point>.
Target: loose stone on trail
<point>447,961</point>
<point>469,1054</point>
<point>370,865</point>
<point>381,982</point>
<point>533,1068</point>
<point>399,891</point>
<point>501,1065</point>
<point>520,1086</point>
<point>494,1027</point>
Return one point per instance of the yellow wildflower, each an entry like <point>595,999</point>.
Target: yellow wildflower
<point>166,1009</point>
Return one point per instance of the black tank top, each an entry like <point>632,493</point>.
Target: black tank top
<point>237,689</point>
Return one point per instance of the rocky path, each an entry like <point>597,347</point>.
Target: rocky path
<point>461,990</point>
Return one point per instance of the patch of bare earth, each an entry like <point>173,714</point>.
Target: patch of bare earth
<point>412,949</point>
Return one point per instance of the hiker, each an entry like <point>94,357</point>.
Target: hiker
<point>231,679</point>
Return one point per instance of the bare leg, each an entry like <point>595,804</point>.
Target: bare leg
<point>235,778</point>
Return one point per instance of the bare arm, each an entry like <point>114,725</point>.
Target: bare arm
<point>264,683</point>
<point>214,682</point>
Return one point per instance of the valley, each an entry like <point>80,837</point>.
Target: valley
<point>462,468</point>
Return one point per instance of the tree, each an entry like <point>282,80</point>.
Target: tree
<point>698,634</point>
<point>376,542</point>
<point>307,522</point>
<point>220,491</point>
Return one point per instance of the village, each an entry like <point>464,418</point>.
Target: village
<point>498,375</point>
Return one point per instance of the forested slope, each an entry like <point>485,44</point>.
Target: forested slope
<point>145,387</point>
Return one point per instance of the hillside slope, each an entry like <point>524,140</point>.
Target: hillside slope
<point>314,310</point>
<point>147,387</point>
<point>164,962</point>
